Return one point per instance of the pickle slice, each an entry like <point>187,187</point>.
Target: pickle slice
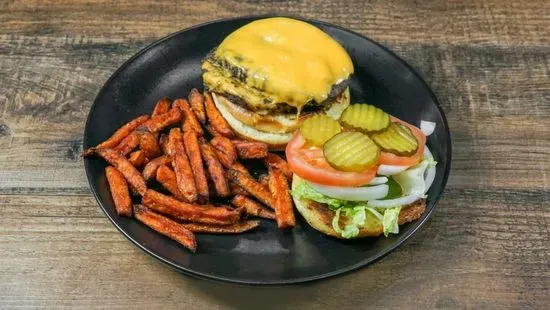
<point>318,129</point>
<point>397,139</point>
<point>351,151</point>
<point>365,118</point>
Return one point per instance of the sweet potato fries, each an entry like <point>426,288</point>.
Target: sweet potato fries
<point>188,173</point>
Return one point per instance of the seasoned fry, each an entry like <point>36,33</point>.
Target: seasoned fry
<point>226,147</point>
<point>167,178</point>
<point>264,180</point>
<point>163,141</point>
<point>212,131</point>
<point>125,167</point>
<point>251,207</point>
<point>284,211</point>
<point>252,187</point>
<point>193,150</point>
<point>137,158</point>
<point>162,121</point>
<point>236,189</point>
<point>150,169</point>
<point>190,121</point>
<point>165,226</point>
<point>247,149</point>
<point>119,191</point>
<point>207,214</point>
<point>148,144</point>
<point>236,228</point>
<point>128,144</point>
<point>215,169</point>
<point>162,106</point>
<point>240,167</point>
<point>181,165</point>
<point>197,105</point>
<point>119,135</point>
<point>274,161</point>
<point>216,119</point>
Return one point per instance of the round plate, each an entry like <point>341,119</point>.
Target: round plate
<point>171,67</point>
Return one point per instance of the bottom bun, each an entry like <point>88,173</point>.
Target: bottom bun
<point>283,127</point>
<point>319,216</point>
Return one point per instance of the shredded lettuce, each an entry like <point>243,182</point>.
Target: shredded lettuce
<point>412,180</point>
<point>390,221</point>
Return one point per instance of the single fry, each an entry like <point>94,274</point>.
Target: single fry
<point>162,106</point>
<point>128,144</point>
<point>216,119</point>
<point>215,169</point>
<point>252,207</point>
<point>284,211</point>
<point>193,151</point>
<point>181,165</point>
<point>150,169</point>
<point>212,131</point>
<point>119,135</point>
<point>264,180</point>
<point>207,214</point>
<point>119,191</point>
<point>196,101</point>
<point>125,167</point>
<point>275,161</point>
<point>240,167</point>
<point>167,178</point>
<point>236,228</point>
<point>148,144</point>
<point>162,121</point>
<point>190,121</point>
<point>254,188</point>
<point>163,141</point>
<point>236,189</point>
<point>225,146</point>
<point>247,149</point>
<point>165,226</point>
<point>137,158</point>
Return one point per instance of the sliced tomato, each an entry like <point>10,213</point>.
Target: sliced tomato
<point>310,164</point>
<point>392,159</point>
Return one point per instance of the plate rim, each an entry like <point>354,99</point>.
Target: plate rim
<point>363,263</point>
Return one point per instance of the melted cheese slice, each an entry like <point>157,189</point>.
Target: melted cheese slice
<point>290,59</point>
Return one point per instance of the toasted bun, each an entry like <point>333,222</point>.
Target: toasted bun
<point>319,216</point>
<point>275,130</point>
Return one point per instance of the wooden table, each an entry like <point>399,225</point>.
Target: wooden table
<point>486,246</point>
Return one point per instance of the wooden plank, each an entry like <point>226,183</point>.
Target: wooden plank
<point>502,22</point>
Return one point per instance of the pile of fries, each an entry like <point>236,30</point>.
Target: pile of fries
<point>171,147</point>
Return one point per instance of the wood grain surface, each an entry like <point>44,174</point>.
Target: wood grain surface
<point>486,246</point>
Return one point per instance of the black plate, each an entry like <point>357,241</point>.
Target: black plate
<point>171,67</point>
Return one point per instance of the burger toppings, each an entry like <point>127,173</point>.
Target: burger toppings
<point>339,167</point>
<point>351,151</point>
<point>365,118</point>
<point>318,129</point>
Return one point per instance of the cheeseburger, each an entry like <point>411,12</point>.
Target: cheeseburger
<point>270,75</point>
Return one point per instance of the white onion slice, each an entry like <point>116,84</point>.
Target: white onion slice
<point>391,203</point>
<point>391,169</point>
<point>427,127</point>
<point>429,178</point>
<point>352,193</point>
<point>378,181</point>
